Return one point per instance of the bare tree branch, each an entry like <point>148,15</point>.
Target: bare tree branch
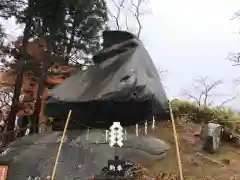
<point>210,103</point>
<point>208,88</point>
<point>137,15</point>
<point>126,23</point>
<point>162,73</point>
<point>135,11</point>
<point>236,81</point>
<point>204,89</point>
<point>228,100</point>
<point>236,15</point>
<point>116,17</point>
<point>235,58</point>
<point>190,96</point>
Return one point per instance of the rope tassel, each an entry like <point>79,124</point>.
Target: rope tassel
<point>136,129</point>
<point>125,134</point>
<point>106,136</point>
<point>153,123</point>
<point>145,128</point>
<point>87,135</point>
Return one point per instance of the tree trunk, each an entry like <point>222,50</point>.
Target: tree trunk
<point>19,78</point>
<point>41,84</point>
<point>38,104</point>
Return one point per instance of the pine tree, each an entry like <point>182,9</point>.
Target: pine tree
<point>71,30</point>
<point>86,21</point>
<point>67,26</point>
<point>5,11</point>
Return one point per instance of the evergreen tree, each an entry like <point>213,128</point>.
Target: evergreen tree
<point>5,11</point>
<point>67,26</point>
<point>85,22</point>
<point>71,29</point>
<point>75,26</point>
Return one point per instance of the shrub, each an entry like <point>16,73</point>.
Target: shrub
<point>196,114</point>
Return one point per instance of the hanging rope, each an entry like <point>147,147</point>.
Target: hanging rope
<point>176,142</point>
<point>60,145</point>
<point>137,133</point>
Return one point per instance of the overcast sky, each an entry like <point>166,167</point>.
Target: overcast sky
<point>190,39</point>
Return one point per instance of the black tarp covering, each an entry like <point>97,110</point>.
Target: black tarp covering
<point>123,86</point>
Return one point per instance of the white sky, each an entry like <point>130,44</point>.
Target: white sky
<point>189,38</point>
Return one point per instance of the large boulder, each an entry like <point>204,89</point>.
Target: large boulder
<point>82,154</point>
<point>123,85</point>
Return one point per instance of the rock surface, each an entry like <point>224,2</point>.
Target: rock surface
<point>81,155</point>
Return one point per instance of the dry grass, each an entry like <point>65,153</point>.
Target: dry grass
<point>197,164</point>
